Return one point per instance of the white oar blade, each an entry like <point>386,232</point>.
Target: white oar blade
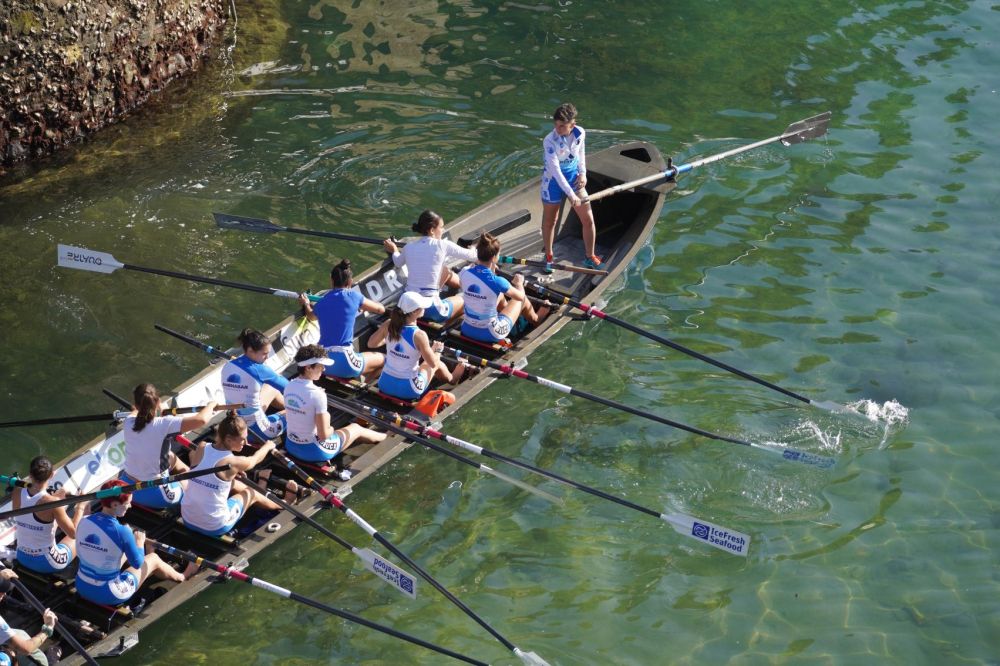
<point>810,128</point>
<point>530,658</point>
<point>522,485</point>
<point>404,582</point>
<point>830,406</point>
<point>87,260</point>
<point>723,538</point>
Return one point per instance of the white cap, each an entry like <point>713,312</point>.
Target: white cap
<point>412,300</point>
<point>313,361</point>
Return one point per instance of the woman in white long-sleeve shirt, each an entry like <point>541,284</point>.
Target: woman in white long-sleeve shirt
<point>426,262</point>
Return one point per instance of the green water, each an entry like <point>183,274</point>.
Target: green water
<point>853,268</point>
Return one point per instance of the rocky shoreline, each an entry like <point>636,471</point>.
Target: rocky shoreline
<point>70,67</point>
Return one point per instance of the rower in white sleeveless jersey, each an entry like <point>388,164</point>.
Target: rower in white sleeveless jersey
<point>16,645</point>
<point>310,436</point>
<point>336,313</point>
<point>249,381</point>
<point>36,532</point>
<point>410,359</point>
<point>106,545</point>
<point>492,303</point>
<point>148,454</point>
<point>213,504</point>
<point>426,265</point>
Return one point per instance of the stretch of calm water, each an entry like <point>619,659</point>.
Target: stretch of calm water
<point>855,268</point>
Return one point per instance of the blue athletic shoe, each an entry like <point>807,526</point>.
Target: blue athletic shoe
<point>594,262</point>
<point>548,264</point>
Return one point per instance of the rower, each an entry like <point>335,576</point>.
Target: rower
<point>147,447</point>
<point>105,545</point>
<point>310,437</point>
<point>493,303</point>
<point>410,360</point>
<point>214,503</point>
<point>336,313</point>
<point>36,532</point>
<point>248,380</point>
<point>17,640</point>
<point>426,265</point>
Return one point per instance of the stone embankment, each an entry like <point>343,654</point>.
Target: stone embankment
<point>70,67</point>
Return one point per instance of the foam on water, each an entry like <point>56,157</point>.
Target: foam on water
<point>890,414</point>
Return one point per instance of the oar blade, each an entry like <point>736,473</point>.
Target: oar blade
<point>530,658</point>
<point>830,406</point>
<point>86,260</point>
<point>803,130</point>
<point>227,221</point>
<point>522,485</point>
<point>402,581</point>
<point>723,538</point>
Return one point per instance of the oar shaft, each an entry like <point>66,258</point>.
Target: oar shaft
<point>542,264</point>
<point>284,293</point>
<point>363,524</point>
<point>295,596</point>
<point>109,493</point>
<point>117,398</point>
<point>195,343</point>
<point>591,310</point>
<point>64,631</point>
<point>60,419</point>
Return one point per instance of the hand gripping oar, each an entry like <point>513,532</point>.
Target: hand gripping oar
<point>102,262</point>
<point>723,538</point>
<point>803,130</point>
<point>529,658</point>
<point>503,259</point>
<point>557,298</point>
<point>787,454</point>
<point>11,481</point>
<point>226,221</point>
<point>195,343</point>
<point>229,572</point>
<point>113,416</point>
<point>63,631</point>
<point>353,408</point>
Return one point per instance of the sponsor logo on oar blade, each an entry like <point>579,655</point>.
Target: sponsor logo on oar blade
<point>390,573</point>
<point>727,540</point>
<point>78,257</point>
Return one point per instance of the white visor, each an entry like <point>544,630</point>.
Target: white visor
<point>412,300</point>
<point>313,361</point>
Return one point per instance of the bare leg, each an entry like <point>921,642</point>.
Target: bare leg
<point>373,365</point>
<point>249,497</point>
<point>271,397</point>
<point>449,278</point>
<point>152,565</point>
<point>549,214</point>
<point>586,215</point>
<point>353,432</point>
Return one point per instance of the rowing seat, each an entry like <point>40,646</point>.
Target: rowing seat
<point>57,581</point>
<point>497,227</point>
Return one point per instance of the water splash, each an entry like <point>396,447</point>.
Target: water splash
<point>891,414</point>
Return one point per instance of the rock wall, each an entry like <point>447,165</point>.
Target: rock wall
<point>70,67</point>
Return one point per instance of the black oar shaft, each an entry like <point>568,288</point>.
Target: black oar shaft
<point>117,398</point>
<point>591,310</point>
<point>59,419</point>
<point>195,343</point>
<point>63,630</point>
<point>363,524</point>
<point>208,280</point>
<point>298,514</point>
<point>295,596</point>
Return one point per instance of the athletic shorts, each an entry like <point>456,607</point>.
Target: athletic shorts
<point>114,592</point>
<point>315,451</point>
<point>57,558</point>
<point>235,513</point>
<point>498,329</point>
<point>405,389</point>
<point>347,363</point>
<point>440,311</point>
<point>552,193</point>
<point>158,497</point>
<point>262,426</point>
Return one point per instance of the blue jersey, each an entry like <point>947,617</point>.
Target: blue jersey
<point>101,542</point>
<point>480,289</point>
<point>337,311</point>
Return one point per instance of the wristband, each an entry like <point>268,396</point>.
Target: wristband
<point>47,630</point>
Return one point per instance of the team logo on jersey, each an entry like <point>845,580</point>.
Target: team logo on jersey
<point>473,289</point>
<point>398,348</point>
<point>93,540</point>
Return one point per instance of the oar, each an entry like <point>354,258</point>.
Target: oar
<point>803,130</point>
<point>227,221</point>
<point>11,481</point>
<point>40,607</point>
<point>529,658</point>
<point>102,262</point>
<point>355,408</point>
<point>503,259</point>
<point>113,416</point>
<point>117,398</point>
<point>787,454</point>
<point>195,343</point>
<point>723,538</point>
<point>230,572</point>
<point>591,310</point>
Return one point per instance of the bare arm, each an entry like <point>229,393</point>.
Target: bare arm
<point>199,420</point>
<point>423,345</point>
<point>323,427</point>
<point>516,291</point>
<point>239,464</point>
<point>307,308</point>
<point>377,338</point>
<point>368,305</point>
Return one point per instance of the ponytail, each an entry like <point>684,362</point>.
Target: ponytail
<point>341,275</point>
<point>232,425</point>
<point>146,400</point>
<point>253,339</point>
<point>397,320</point>
<point>487,247</point>
<point>427,221</point>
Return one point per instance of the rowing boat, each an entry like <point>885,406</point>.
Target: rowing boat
<point>623,224</point>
